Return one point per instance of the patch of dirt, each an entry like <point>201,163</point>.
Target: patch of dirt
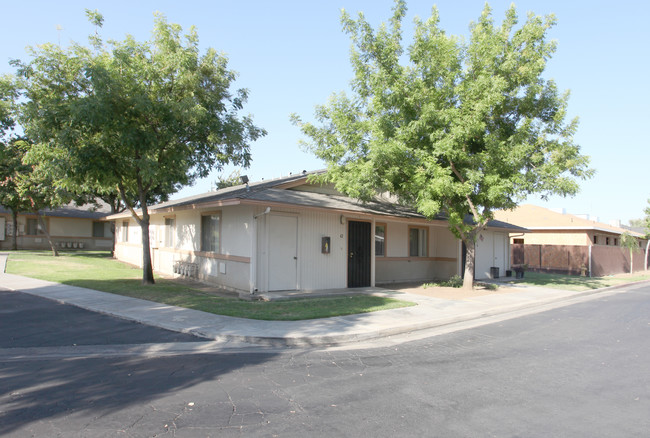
<point>449,293</point>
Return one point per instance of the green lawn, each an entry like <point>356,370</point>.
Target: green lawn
<point>577,283</point>
<point>97,270</point>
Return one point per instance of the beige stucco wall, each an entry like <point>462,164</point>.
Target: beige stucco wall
<point>398,266</point>
<point>444,243</point>
<point>66,233</point>
<point>552,238</point>
<point>242,236</point>
<point>70,227</point>
<point>235,240</point>
<point>567,237</point>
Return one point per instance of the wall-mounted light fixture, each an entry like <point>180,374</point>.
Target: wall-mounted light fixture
<point>267,211</point>
<point>325,244</point>
<point>342,219</point>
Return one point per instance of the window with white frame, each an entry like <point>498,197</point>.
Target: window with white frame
<point>170,231</point>
<point>98,229</point>
<point>380,240</point>
<point>418,242</point>
<point>210,232</point>
<point>125,231</point>
<point>33,227</point>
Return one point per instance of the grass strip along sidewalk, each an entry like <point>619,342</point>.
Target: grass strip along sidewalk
<point>98,271</point>
<point>577,283</point>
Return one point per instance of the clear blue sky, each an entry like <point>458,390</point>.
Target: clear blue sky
<point>292,55</point>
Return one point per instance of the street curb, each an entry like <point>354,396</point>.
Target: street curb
<point>343,339</point>
<point>346,338</point>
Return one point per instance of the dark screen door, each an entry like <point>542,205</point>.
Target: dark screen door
<point>359,254</point>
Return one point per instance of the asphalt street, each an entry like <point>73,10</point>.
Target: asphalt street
<point>29,321</point>
<point>575,371</point>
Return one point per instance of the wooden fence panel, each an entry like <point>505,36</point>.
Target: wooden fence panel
<point>573,259</point>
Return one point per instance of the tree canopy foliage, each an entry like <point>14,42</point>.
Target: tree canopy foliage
<point>233,179</point>
<point>140,119</point>
<point>449,126</point>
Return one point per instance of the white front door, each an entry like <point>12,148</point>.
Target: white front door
<point>500,252</point>
<point>283,252</point>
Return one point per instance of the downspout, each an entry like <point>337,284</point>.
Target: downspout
<point>590,246</point>
<point>373,258</point>
<point>252,283</point>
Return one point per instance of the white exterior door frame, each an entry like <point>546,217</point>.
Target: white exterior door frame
<point>283,254</point>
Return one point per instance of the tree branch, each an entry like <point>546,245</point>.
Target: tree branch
<point>129,206</point>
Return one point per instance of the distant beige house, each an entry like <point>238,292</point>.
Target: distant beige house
<point>560,242</point>
<point>70,227</point>
<point>290,234</point>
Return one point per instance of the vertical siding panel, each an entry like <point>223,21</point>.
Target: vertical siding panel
<point>318,270</point>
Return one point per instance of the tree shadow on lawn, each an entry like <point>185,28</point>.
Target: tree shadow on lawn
<point>163,291</point>
<point>91,254</point>
<point>87,392</point>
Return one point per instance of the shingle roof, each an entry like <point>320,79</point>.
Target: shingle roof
<point>540,218</point>
<point>70,211</point>
<point>320,200</point>
<point>269,191</point>
<point>234,192</point>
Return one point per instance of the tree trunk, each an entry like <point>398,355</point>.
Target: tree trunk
<point>114,202</point>
<point>113,229</point>
<point>147,267</point>
<point>470,256</point>
<point>645,263</point>
<point>41,222</point>
<point>14,218</point>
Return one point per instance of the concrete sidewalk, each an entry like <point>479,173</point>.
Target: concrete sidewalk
<point>429,313</point>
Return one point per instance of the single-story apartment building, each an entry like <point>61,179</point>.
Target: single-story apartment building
<point>566,243</point>
<point>71,227</point>
<point>290,234</point>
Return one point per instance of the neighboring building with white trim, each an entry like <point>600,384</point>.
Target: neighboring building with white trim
<point>70,227</point>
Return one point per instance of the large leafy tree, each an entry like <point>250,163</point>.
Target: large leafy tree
<point>23,187</point>
<point>137,118</point>
<point>448,126</point>
<point>11,155</point>
<point>29,187</point>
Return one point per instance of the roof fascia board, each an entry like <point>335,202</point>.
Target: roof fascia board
<point>198,206</point>
<point>290,184</point>
<point>172,209</point>
<point>519,229</point>
<point>578,228</point>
